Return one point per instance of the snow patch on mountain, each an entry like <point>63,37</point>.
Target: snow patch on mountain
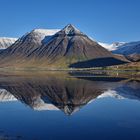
<point>6,96</point>
<point>40,105</point>
<point>110,93</point>
<point>46,32</point>
<point>37,36</point>
<point>111,47</point>
<point>70,29</point>
<point>6,42</point>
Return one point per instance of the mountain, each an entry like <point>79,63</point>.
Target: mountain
<point>24,46</point>
<point>68,46</point>
<point>6,96</point>
<point>59,91</point>
<point>53,49</point>
<point>52,92</point>
<point>28,42</point>
<point>133,57</point>
<point>110,93</point>
<point>39,104</point>
<point>130,50</point>
<point>6,42</point>
<point>113,46</point>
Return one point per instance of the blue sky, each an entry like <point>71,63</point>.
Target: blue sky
<point>103,20</point>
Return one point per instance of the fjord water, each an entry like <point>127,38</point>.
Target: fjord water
<point>69,106</point>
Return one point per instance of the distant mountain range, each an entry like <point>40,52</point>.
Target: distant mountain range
<point>62,49</point>
<point>113,46</point>
<point>130,50</point>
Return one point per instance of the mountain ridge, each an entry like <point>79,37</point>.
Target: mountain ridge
<point>53,49</point>
<point>130,50</point>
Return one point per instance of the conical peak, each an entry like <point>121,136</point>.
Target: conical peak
<point>70,30</point>
<point>70,26</point>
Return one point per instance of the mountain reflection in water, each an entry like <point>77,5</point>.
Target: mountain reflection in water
<point>67,93</point>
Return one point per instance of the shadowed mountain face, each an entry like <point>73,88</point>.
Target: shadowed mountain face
<point>65,93</point>
<point>57,50</point>
<point>99,62</point>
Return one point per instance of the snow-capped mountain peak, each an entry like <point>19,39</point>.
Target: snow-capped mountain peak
<point>70,30</point>
<point>5,42</point>
<point>46,32</point>
<point>6,96</point>
<point>36,36</point>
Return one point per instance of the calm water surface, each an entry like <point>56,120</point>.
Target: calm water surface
<point>69,107</point>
